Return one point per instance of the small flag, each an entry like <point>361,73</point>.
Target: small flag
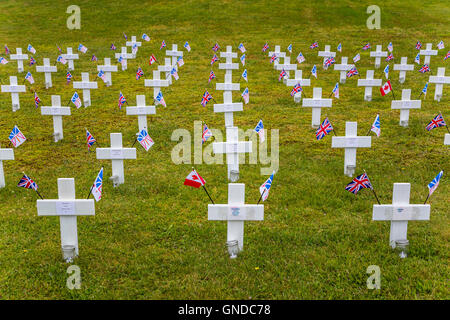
<point>417,59</point>
<point>29,77</point>
<point>7,50</point>
<point>418,45</point>
<point>265,188</point>
<point>145,140</point>
<point>97,187</point>
<point>61,59</point>
<point>390,57</point>
<point>214,59</point>
<point>206,134</point>
<point>273,58</point>
<point>390,47</point>
<point>180,61</point>
<point>36,100</point>
<point>356,58</point>
<point>259,129</point>
<point>289,48</point>
<point>440,45</point>
<point>102,76</point>
<point>16,137</point>
<point>386,72</point>
<point>76,100</point>
<point>163,45</point>
<point>339,47</point>
<point>122,100</point>
<point>134,49</point>
<point>447,55</point>
<point>216,47</point>
<point>145,37</point>
<point>68,77</point>
<point>437,122</point>
<point>194,180</point>
<point>424,90</point>
<point>243,59</point>
<point>358,183</point>
<point>425,68</point>
<point>206,98</point>
<point>324,129</point>
<point>160,99</point>
<point>328,62</point>
<point>187,46</point>
<point>139,73</point>
<point>367,46</point>
<point>296,89</point>
<point>32,61</point>
<point>435,183</point>
<point>152,60</point>
<point>244,75</point>
<point>245,95</point>
<point>125,36</point>
<point>314,45</point>
<point>174,73</point>
<point>26,182</point>
<point>376,126</point>
<point>113,47</point>
<point>336,90</point>
<point>3,60</point>
<point>31,49</point>
<point>300,58</point>
<point>353,71</point>
<point>89,139</point>
<point>266,46</point>
<point>314,71</point>
<point>121,60</point>
<point>82,48</point>
<point>241,47</point>
<point>386,88</point>
<point>94,58</point>
<point>211,76</point>
<point>282,75</point>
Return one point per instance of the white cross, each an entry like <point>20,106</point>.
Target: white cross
<point>156,83</point>
<point>47,69</point>
<point>440,79</point>
<point>125,56</point>
<point>141,110</point>
<point>343,67</point>
<point>236,212</point>
<point>107,68</point>
<point>20,58</point>
<point>70,57</point>
<point>403,67</point>
<point>86,85</point>
<point>351,142</point>
<point>298,79</point>
<point>132,43</point>
<point>174,53</point>
<point>399,212</point>
<point>316,103</point>
<point>57,111</point>
<point>67,207</point>
<point>428,52</point>
<point>116,154</point>
<point>378,54</point>
<point>326,53</point>
<point>447,139</point>
<point>279,54</point>
<point>14,89</point>
<point>287,66</point>
<point>167,68</point>
<point>405,105</point>
<point>232,148</point>
<point>5,154</point>
<point>368,83</point>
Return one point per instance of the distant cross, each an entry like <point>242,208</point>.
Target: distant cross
<point>67,207</point>
<point>125,56</point>
<point>351,141</point>
<point>132,43</point>
<point>440,79</point>
<point>400,212</point>
<point>378,54</point>
<point>70,57</point>
<point>87,86</point>
<point>236,212</point>
<point>48,70</point>
<point>5,154</point>
<point>174,53</point>
<point>368,83</point>
<point>343,67</point>
<point>447,139</point>
<point>405,105</point>
<point>141,110</point>
<point>403,67</point>
<point>156,83</point>
<point>326,53</point>
<point>57,111</point>
<point>298,80</point>
<point>279,54</point>
<point>427,53</point>
<point>107,68</point>
<point>116,154</point>
<point>167,68</point>
<point>20,59</point>
<point>287,66</point>
<point>316,103</point>
<point>14,89</point>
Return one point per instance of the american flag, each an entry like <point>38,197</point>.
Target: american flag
<point>390,57</point>
<point>434,184</point>
<point>61,59</point>
<point>187,46</point>
<point>102,75</point>
<point>424,90</point>
<point>417,59</point>
<point>336,90</point>
<point>289,48</point>
<point>122,100</point>
<point>94,58</point>
<point>356,58</point>
<point>241,47</point>
<point>358,183</point>
<point>273,58</point>
<point>160,99</point>
<point>300,58</point>
<point>16,137</point>
<point>97,187</point>
<point>425,68</point>
<point>353,71</point>
<point>245,95</point>
<point>216,47</point>
<point>36,100</point>
<point>390,47</point>
<point>296,89</point>
<point>145,140</point>
<point>76,100</point>
<point>26,182</point>
<point>212,75</point>
<point>437,122</point>
<point>447,55</point>
<point>265,187</point>
<point>206,134</point>
<point>376,126</point>
<point>174,73</point>
<point>314,45</point>
<point>68,77</point>
<point>282,75</point>
<point>180,61</point>
<point>214,59</point>
<point>266,46</point>
<point>163,45</point>
<point>31,49</point>
<point>206,98</point>
<point>7,50</point>
<point>440,45</point>
<point>113,47</point>
<point>3,60</point>
<point>314,71</point>
<point>259,129</point>
<point>32,61</point>
<point>324,129</point>
<point>145,37</point>
<point>139,73</point>
<point>244,75</point>
<point>339,47</point>
<point>367,46</point>
<point>152,60</point>
<point>82,48</point>
<point>418,45</point>
<point>29,77</point>
<point>89,139</point>
<point>243,59</point>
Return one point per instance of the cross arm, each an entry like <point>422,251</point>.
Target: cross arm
<point>136,111</point>
<point>401,213</point>
<point>351,142</point>
<point>52,111</point>
<point>228,107</point>
<point>232,147</point>
<point>116,153</point>
<point>66,207</point>
<point>6,154</point>
<point>237,212</point>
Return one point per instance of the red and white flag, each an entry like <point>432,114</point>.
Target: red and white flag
<point>152,60</point>
<point>386,88</point>
<point>194,180</point>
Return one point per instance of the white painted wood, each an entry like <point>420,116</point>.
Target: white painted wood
<point>167,68</point>
<point>279,54</point>
<point>132,43</point>
<point>326,53</point>
<point>447,139</point>
<point>70,57</point>
<point>343,67</point>
<point>116,154</point>
<point>400,212</point>
<point>14,89</point>
<point>141,110</point>
<point>20,58</point>
<point>350,142</point>
<point>440,79</point>
<point>174,53</point>
<point>403,67</point>
<point>107,68</point>
<point>47,69</point>
<point>378,54</point>
<point>298,79</point>
<point>57,111</point>
<point>427,53</point>
<point>5,154</point>
<point>86,86</point>
<point>125,56</point>
<point>236,212</point>
<point>67,207</point>
<point>156,83</point>
<point>368,83</point>
<point>316,103</point>
<point>405,105</point>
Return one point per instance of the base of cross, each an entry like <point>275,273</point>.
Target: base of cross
<point>447,139</point>
<point>349,170</point>
<point>236,212</point>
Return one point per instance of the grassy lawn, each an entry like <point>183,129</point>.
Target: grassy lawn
<point>150,238</point>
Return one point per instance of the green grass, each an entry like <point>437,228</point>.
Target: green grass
<point>150,238</point>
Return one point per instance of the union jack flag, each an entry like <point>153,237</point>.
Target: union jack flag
<point>7,50</point>
<point>31,49</point>
<point>29,77</point>
<point>216,47</point>
<point>245,95</point>
<point>376,126</point>
<point>187,46</point>
<point>139,73</point>
<point>206,134</point>
<point>214,59</point>
<point>447,55</point>
<point>113,47</point>
<point>122,100</point>
<point>358,183</point>
<point>26,182</point>
<point>82,48</point>
<point>16,137</point>
<point>418,45</point>
<point>314,71</point>
<point>243,59</point>
<point>265,187</point>
<point>94,58</point>
<point>61,59</point>
<point>282,75</point>
<point>336,90</point>
<point>314,45</point>
<point>266,46</point>
<point>160,99</point>
<point>212,75</point>
<point>145,37</point>
<point>145,140</point>
<point>390,57</point>
<point>163,45</point>
<point>390,47</point>
<point>206,98</point>
<point>89,139</point>
<point>102,75</point>
<point>434,184</point>
<point>3,60</point>
<point>97,187</point>
<point>437,122</point>
<point>328,62</point>
<point>353,71</point>
<point>425,68</point>
<point>32,61</point>
<point>296,89</point>
<point>273,58</point>
<point>180,61</point>
<point>68,77</point>
<point>76,100</point>
<point>300,58</point>
<point>241,47</point>
<point>36,100</point>
<point>367,46</point>
<point>324,129</point>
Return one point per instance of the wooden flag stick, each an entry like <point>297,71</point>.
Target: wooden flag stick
<point>376,197</point>
<point>428,196</point>
<point>261,196</point>
<point>208,194</point>
<point>90,191</point>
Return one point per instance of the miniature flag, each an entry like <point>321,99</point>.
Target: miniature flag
<point>296,89</point>
<point>139,73</point>
<point>214,59</point>
<point>206,134</point>
<point>265,188</point>
<point>61,59</point>
<point>328,62</point>
<point>245,95</point>
<point>76,100</point>
<point>134,49</point>
<point>386,72</point>
<point>121,60</point>
<point>145,140</point>
<point>358,183</point>
<point>89,139</point>
<point>211,76</point>
<point>314,71</point>
<point>163,45</point>
<point>206,98</point>
<point>174,73</point>
<point>447,55</point>
<point>16,137</point>
<point>241,47</point>
<point>356,58</point>
<point>102,76</point>
<point>424,90</point>
<point>7,50</point>
<point>160,99</point>
<point>36,100</point>
<point>273,58</point>
<point>97,187</point>
<point>68,77</point>
<point>282,75</point>
<point>437,122</point>
<point>367,46</point>
<point>353,71</point>
<point>152,60</point>
<point>82,48</point>
<point>266,46</point>
<point>145,37</point>
<point>376,126</point>
<point>418,45</point>
<point>434,184</point>
<point>386,88</point>
<point>390,47</point>
<point>424,69</point>
<point>3,60</point>
<point>26,182</point>
<point>216,47</point>
<point>300,58</point>
<point>194,180</point>
<point>314,45</point>
<point>125,36</point>
<point>113,47</point>
<point>29,77</point>
<point>187,46</point>
<point>259,129</point>
<point>32,61</point>
<point>122,100</point>
<point>94,58</point>
<point>289,48</point>
<point>417,59</point>
<point>244,75</point>
<point>31,49</point>
<point>440,45</point>
<point>339,47</point>
<point>336,90</point>
<point>243,59</point>
<point>180,61</point>
<point>390,57</point>
<point>324,129</point>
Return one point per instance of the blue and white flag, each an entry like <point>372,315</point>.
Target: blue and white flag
<point>241,47</point>
<point>434,184</point>
<point>145,37</point>
<point>29,77</point>
<point>390,47</point>
<point>145,140</point>
<point>424,90</point>
<point>82,48</point>
<point>314,71</point>
<point>31,49</point>
<point>243,59</point>
<point>339,47</point>
<point>259,129</point>
<point>440,45</point>
<point>386,72</point>
<point>300,58</point>
<point>376,126</point>
<point>244,75</point>
<point>289,48</point>
<point>265,188</point>
<point>417,59</point>
<point>97,187</point>
<point>336,90</point>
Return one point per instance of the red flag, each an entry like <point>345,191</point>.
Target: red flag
<point>194,180</point>
<point>152,60</point>
<point>386,88</point>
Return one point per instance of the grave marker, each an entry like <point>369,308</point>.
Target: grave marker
<point>403,67</point>
<point>378,54</point>
<point>70,57</point>
<point>141,110</point>
<point>166,68</point>
<point>440,79</point>
<point>326,53</point>
<point>14,89</point>
<point>86,85</point>
<point>317,103</point>
<point>5,154</point>
<point>132,43</point>
<point>20,57</point>
<point>48,70</point>
<point>174,53</point>
<point>125,56</point>
<point>405,105</point>
<point>298,80</point>
<point>279,54</point>
<point>368,83</point>
<point>287,66</point>
<point>343,67</point>
<point>156,83</point>
<point>107,68</point>
<point>427,53</point>
<point>57,111</point>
